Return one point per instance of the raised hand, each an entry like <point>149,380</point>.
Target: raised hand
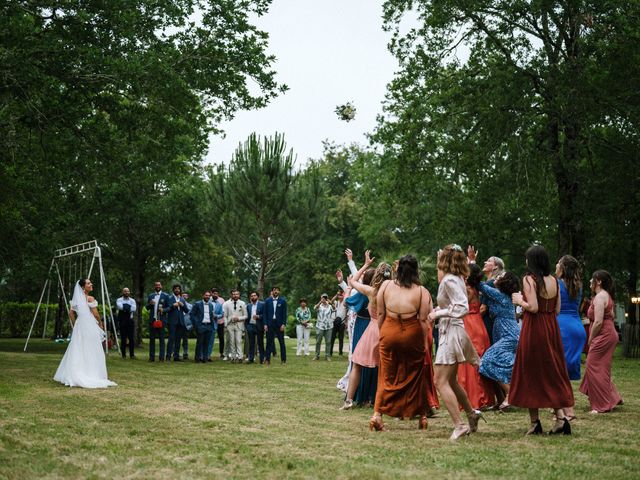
<point>472,253</point>
<point>339,276</point>
<point>349,254</point>
<point>368,259</point>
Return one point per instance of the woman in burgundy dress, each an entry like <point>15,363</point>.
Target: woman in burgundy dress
<point>603,339</point>
<point>540,378</point>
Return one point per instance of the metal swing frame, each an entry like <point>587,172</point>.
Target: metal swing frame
<point>66,253</point>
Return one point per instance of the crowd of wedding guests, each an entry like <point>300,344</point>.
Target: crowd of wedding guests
<point>246,331</point>
<point>499,342</point>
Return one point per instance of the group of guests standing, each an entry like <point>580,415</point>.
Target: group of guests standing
<point>485,358</point>
<point>258,322</point>
<point>330,325</point>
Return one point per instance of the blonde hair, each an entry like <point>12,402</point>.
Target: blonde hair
<point>451,259</point>
<point>383,272</point>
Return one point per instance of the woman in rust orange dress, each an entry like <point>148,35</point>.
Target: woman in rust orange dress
<point>479,390</point>
<point>540,378</point>
<point>403,306</point>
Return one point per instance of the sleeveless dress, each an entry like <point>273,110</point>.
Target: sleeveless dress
<point>597,383</point>
<point>402,386</point>
<point>84,364</point>
<point>479,390</point>
<point>367,387</point>
<point>454,345</point>
<point>572,331</point>
<point>366,352</point>
<point>497,361</point>
<point>540,378</point>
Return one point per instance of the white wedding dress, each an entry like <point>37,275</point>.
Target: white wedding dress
<point>84,364</point>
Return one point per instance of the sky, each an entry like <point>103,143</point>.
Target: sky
<point>328,52</point>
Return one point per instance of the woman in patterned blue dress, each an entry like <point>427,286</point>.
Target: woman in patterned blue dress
<point>497,361</point>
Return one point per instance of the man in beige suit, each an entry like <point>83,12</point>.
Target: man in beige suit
<point>235,313</point>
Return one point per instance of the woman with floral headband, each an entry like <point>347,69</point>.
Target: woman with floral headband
<point>454,345</point>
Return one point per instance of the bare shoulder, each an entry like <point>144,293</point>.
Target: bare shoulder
<point>90,299</point>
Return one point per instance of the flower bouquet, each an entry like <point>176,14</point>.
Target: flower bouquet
<point>346,112</point>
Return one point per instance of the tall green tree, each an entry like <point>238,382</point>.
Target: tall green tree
<point>265,208</point>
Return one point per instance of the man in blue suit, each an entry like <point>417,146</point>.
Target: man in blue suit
<point>175,318</point>
<point>203,319</point>
<point>255,326</point>
<point>157,305</point>
<point>275,321</point>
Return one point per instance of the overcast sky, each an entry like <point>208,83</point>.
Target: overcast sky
<point>328,52</point>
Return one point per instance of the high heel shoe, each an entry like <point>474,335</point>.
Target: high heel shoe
<point>375,423</point>
<point>536,428</point>
<point>474,419</point>
<point>561,426</point>
<point>423,423</point>
<point>459,431</point>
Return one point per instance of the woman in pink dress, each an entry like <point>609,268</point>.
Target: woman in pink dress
<point>603,339</point>
<point>366,353</point>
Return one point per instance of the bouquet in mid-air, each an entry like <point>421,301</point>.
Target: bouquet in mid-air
<point>346,112</point>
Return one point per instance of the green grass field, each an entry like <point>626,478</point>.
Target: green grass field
<point>218,420</point>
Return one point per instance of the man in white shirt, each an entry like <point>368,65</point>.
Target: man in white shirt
<point>235,313</point>
<point>126,307</point>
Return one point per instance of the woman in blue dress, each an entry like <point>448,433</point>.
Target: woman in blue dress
<point>571,329</point>
<point>497,362</point>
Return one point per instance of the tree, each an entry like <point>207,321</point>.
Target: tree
<point>264,208</point>
<point>524,102</point>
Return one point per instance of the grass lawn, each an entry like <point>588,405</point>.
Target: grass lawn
<point>217,420</point>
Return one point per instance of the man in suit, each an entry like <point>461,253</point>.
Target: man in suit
<point>255,326</point>
<point>157,305</point>
<point>220,330</point>
<point>175,318</point>
<point>275,321</point>
<point>188,327</point>
<point>218,316</point>
<point>126,307</point>
<point>235,313</point>
<point>203,319</point>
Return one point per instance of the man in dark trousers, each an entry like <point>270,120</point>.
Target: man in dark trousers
<point>203,319</point>
<point>175,318</point>
<point>157,305</point>
<point>275,322</point>
<point>255,326</point>
<point>126,307</point>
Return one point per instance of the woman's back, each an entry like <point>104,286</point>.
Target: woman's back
<point>402,301</point>
<point>568,305</point>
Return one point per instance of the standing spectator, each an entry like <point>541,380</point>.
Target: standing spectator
<point>218,316</point>
<point>175,319</point>
<point>540,378</point>
<point>324,326</point>
<point>235,313</point>
<point>339,321</point>
<point>255,326</point>
<point>275,321</point>
<point>188,327</point>
<point>220,330</point>
<point>603,338</point>
<point>126,308</point>
<point>303,327</point>
<point>202,317</point>
<point>157,304</point>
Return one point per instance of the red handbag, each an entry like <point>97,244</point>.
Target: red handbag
<point>157,324</point>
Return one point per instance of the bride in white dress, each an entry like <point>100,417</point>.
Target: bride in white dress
<point>84,364</point>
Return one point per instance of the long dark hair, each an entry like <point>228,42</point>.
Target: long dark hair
<point>538,266</point>
<point>475,276</point>
<point>407,273</point>
<point>82,282</point>
<point>606,282</point>
<point>571,274</point>
<point>508,283</point>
